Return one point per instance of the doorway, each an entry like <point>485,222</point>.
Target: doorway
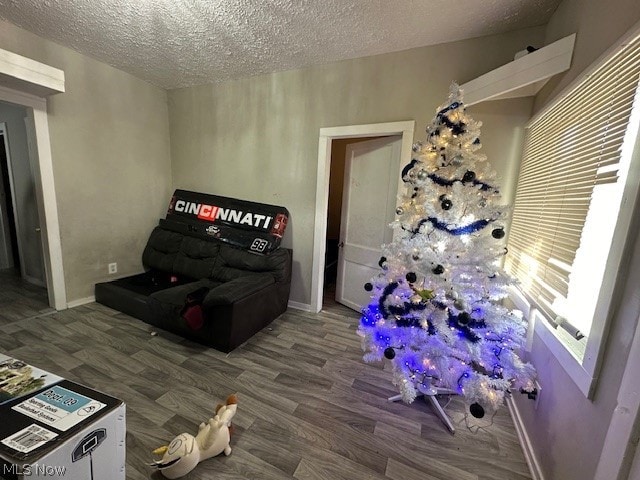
<point>37,126</point>
<point>334,209</point>
<point>9,257</point>
<point>327,137</point>
<point>21,230</point>
<point>365,191</point>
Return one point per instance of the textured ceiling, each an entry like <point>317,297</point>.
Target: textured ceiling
<point>179,43</point>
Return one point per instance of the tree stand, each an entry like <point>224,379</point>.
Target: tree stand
<point>430,392</point>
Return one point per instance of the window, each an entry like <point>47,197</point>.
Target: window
<point>573,208</point>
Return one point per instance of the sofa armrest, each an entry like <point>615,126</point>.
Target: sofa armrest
<point>237,289</point>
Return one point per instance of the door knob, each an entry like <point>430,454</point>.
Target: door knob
<point>38,229</point>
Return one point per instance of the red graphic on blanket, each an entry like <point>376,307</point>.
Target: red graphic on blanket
<point>279,225</point>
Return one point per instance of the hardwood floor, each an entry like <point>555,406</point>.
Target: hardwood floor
<point>309,407</point>
<point>20,299</point>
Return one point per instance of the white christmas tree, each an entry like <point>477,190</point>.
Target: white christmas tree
<point>436,307</point>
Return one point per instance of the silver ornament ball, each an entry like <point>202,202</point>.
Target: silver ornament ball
<point>457,160</point>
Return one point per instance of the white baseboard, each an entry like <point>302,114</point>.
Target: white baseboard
<point>81,301</point>
<point>525,441</point>
<point>305,307</point>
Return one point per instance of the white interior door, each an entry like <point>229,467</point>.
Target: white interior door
<point>368,207</point>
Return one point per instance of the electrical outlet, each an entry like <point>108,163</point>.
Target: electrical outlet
<point>537,400</point>
<point>113,268</point>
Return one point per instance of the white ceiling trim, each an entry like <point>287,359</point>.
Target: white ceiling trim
<point>524,77</point>
<point>26,75</point>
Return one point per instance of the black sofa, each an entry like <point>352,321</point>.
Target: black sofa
<point>203,289</point>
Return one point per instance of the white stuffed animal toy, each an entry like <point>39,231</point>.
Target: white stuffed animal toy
<point>186,451</point>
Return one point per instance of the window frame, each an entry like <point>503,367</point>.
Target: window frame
<point>585,371</point>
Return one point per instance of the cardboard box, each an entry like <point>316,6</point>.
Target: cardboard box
<point>59,430</point>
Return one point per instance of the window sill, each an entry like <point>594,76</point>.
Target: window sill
<point>551,337</point>
<point>567,359</point>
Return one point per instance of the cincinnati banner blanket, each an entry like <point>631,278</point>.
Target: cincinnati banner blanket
<point>257,227</point>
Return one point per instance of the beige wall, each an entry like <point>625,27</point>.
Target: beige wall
<point>598,24</point>
<point>111,160</point>
<point>503,137</point>
<point>257,138</point>
<point>568,430</point>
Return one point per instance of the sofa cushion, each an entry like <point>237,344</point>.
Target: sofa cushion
<point>161,250</point>
<point>234,263</point>
<point>168,307</point>
<point>235,290</point>
<point>196,258</point>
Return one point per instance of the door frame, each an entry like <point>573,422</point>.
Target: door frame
<point>327,135</point>
<point>45,193</point>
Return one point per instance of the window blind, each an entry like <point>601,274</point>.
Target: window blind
<point>571,148</point>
